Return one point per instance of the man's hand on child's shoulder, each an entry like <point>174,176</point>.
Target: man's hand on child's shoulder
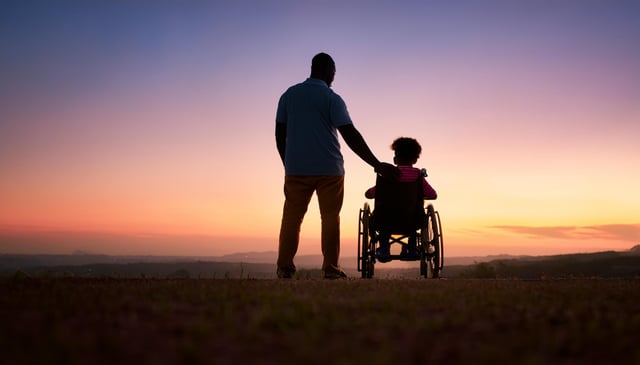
<point>388,171</point>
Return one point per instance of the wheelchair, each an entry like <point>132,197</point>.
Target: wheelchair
<point>399,213</point>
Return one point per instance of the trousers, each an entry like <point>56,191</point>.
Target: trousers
<point>298,191</point>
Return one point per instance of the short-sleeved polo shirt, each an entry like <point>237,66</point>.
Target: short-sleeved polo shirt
<point>312,113</point>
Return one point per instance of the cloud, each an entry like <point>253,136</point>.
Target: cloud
<point>622,232</point>
<point>619,232</point>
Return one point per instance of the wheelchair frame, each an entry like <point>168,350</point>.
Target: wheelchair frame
<point>429,243</point>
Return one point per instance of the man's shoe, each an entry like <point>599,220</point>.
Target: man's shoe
<point>335,275</point>
<point>285,274</point>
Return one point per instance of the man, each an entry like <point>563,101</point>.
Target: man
<point>308,116</point>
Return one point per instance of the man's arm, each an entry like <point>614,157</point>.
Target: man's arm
<point>354,140</point>
<point>281,139</point>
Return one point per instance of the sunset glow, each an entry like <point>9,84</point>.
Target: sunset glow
<point>147,127</point>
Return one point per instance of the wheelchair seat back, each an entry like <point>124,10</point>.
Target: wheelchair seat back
<point>398,206</point>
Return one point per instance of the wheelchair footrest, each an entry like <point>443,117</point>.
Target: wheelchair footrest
<point>409,257</point>
<point>404,257</point>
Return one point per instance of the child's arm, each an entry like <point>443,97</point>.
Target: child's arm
<point>371,193</point>
<point>429,192</point>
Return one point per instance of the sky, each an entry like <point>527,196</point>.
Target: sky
<point>147,127</point>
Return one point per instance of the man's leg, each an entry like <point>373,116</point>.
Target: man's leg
<point>330,196</point>
<point>297,191</point>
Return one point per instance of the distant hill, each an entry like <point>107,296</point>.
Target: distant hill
<point>609,264</point>
<point>262,265</point>
<point>129,266</point>
<point>81,263</point>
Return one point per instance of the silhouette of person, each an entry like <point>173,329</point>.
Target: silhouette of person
<point>406,153</point>
<point>308,117</point>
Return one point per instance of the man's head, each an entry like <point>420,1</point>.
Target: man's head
<point>407,150</point>
<point>323,68</point>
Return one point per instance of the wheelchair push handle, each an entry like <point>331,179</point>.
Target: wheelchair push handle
<point>423,172</point>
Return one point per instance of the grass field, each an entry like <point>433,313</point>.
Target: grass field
<point>379,321</point>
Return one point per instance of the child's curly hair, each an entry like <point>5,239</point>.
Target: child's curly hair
<point>407,149</point>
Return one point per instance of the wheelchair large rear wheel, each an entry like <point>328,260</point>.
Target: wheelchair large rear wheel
<point>365,251</point>
<point>432,259</point>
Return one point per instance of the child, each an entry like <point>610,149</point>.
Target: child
<point>407,151</point>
